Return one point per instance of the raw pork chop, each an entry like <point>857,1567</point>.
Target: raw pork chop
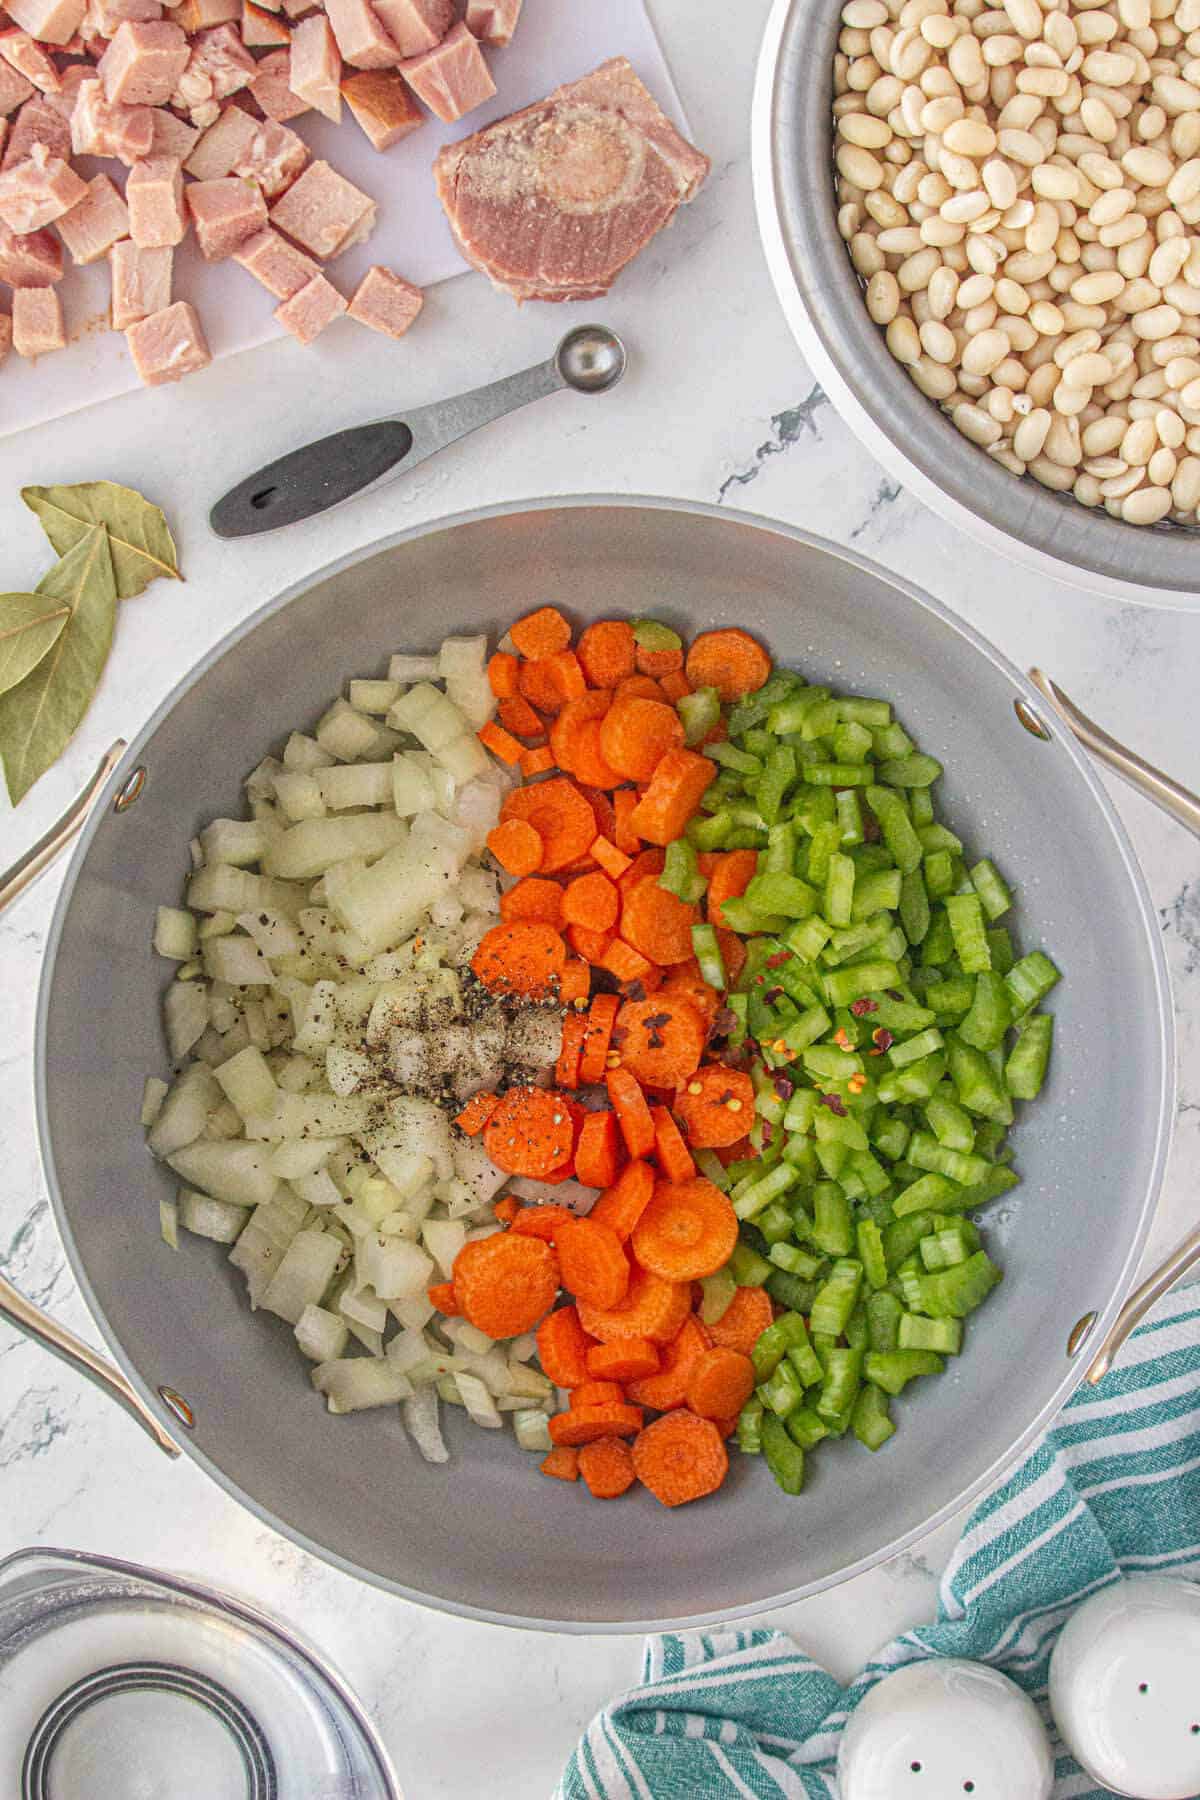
<point>554,201</point>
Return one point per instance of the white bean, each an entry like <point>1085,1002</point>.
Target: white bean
<point>1185,489</point>
<point>1147,506</point>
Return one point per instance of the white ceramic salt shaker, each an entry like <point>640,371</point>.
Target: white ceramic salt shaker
<point>940,1729</point>
<point>1125,1687</point>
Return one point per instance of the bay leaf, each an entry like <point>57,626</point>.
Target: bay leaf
<point>142,546</point>
<point>29,625</point>
<point>39,716</point>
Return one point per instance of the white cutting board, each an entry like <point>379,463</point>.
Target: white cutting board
<point>556,41</point>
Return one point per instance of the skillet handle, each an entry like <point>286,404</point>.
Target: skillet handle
<point>14,1307</point>
<point>1180,804</point>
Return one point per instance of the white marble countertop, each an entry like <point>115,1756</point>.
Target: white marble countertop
<point>718,407</point>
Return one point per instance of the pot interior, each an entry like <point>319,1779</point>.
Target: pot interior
<point>485,1533</point>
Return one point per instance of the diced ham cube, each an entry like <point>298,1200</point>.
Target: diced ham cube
<point>14,89</point>
<point>168,345</point>
<point>101,129</point>
<point>34,260</point>
<point>493,21</point>
<point>324,213</point>
<point>277,265</point>
<point>222,144</point>
<point>386,302</point>
<point>360,35</point>
<point>198,15</point>
<point>383,104</point>
<point>308,312</point>
<point>221,55</point>
<point>37,321</point>
<point>451,79</point>
<point>38,124</point>
<point>316,67</point>
<point>143,63</point>
<point>72,76</point>
<point>172,136</point>
<point>38,191</point>
<point>225,213</point>
<point>299,9</point>
<point>50,21</point>
<point>100,220</point>
<point>274,158</point>
<point>416,25</point>
<point>154,196</point>
<point>105,16</point>
<point>272,89</point>
<point>261,29</point>
<point>6,334</point>
<point>141,282</point>
<point>26,56</point>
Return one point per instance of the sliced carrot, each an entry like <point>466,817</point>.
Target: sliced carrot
<point>566,1071</point>
<point>591,945</point>
<point>624,836</point>
<point>674,1157</point>
<point>734,871</point>
<point>606,1465</point>
<point>657,922</point>
<point>567,674</point>
<point>575,982</point>
<point>599,1151</point>
<point>606,651</point>
<point>730,660</point>
<point>658,662</point>
<point>476,1113</point>
<point>517,716</point>
<point>575,714</point>
<point>530,1133</point>
<point>541,1221</point>
<point>668,1387</point>
<point>588,758</point>
<point>562,1463</point>
<point>502,674</point>
<point>646,862</point>
<point>538,686</point>
<point>584,1424</point>
<point>715,1106</point>
<point>652,1308</point>
<point>643,687</point>
<point>685,982</point>
<point>629,1103</point>
<point>680,1458</point>
<point>522,958</point>
<point>635,734</point>
<point>506,1209</point>
<point>622,1204</point>
<point>591,900</point>
<point>516,846</point>
<point>628,965</point>
<point>563,1347</point>
<point>602,1015</point>
<point>501,743</point>
<point>540,634</point>
<point>536,762</point>
<point>559,814</point>
<point>675,685</point>
<point>614,862</point>
<point>744,1320</point>
<point>720,1383</point>
<point>659,1040</point>
<point>534,900</point>
<point>594,1266</point>
<point>733,952</point>
<point>442,1295</point>
<point>680,780</point>
<point>505,1283</point>
<point>688,1230</point>
<point>597,1393</point>
<point>602,809</point>
<point>630,1361</point>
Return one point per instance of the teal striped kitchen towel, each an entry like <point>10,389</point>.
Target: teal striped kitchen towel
<point>1113,1487</point>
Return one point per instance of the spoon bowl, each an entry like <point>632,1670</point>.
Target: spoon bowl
<point>591,359</point>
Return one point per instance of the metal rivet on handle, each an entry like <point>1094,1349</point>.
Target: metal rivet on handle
<point>1081,1332</point>
<point>183,1411</point>
<point>1030,720</point>
<point>130,790</point>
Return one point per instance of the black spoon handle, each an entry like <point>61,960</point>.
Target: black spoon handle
<point>311,480</point>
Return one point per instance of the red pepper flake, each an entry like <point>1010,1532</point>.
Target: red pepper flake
<point>841,1039</point>
<point>860,1007</point>
<point>882,1037</point>
<point>780,957</point>
<point>783,1087</point>
<point>893,995</point>
<point>835,1103</point>
<point>772,995</point>
<point>759,980</point>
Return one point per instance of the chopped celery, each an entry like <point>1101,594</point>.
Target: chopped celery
<point>1025,1069</point>
<point>871,1421</point>
<point>782,1454</point>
